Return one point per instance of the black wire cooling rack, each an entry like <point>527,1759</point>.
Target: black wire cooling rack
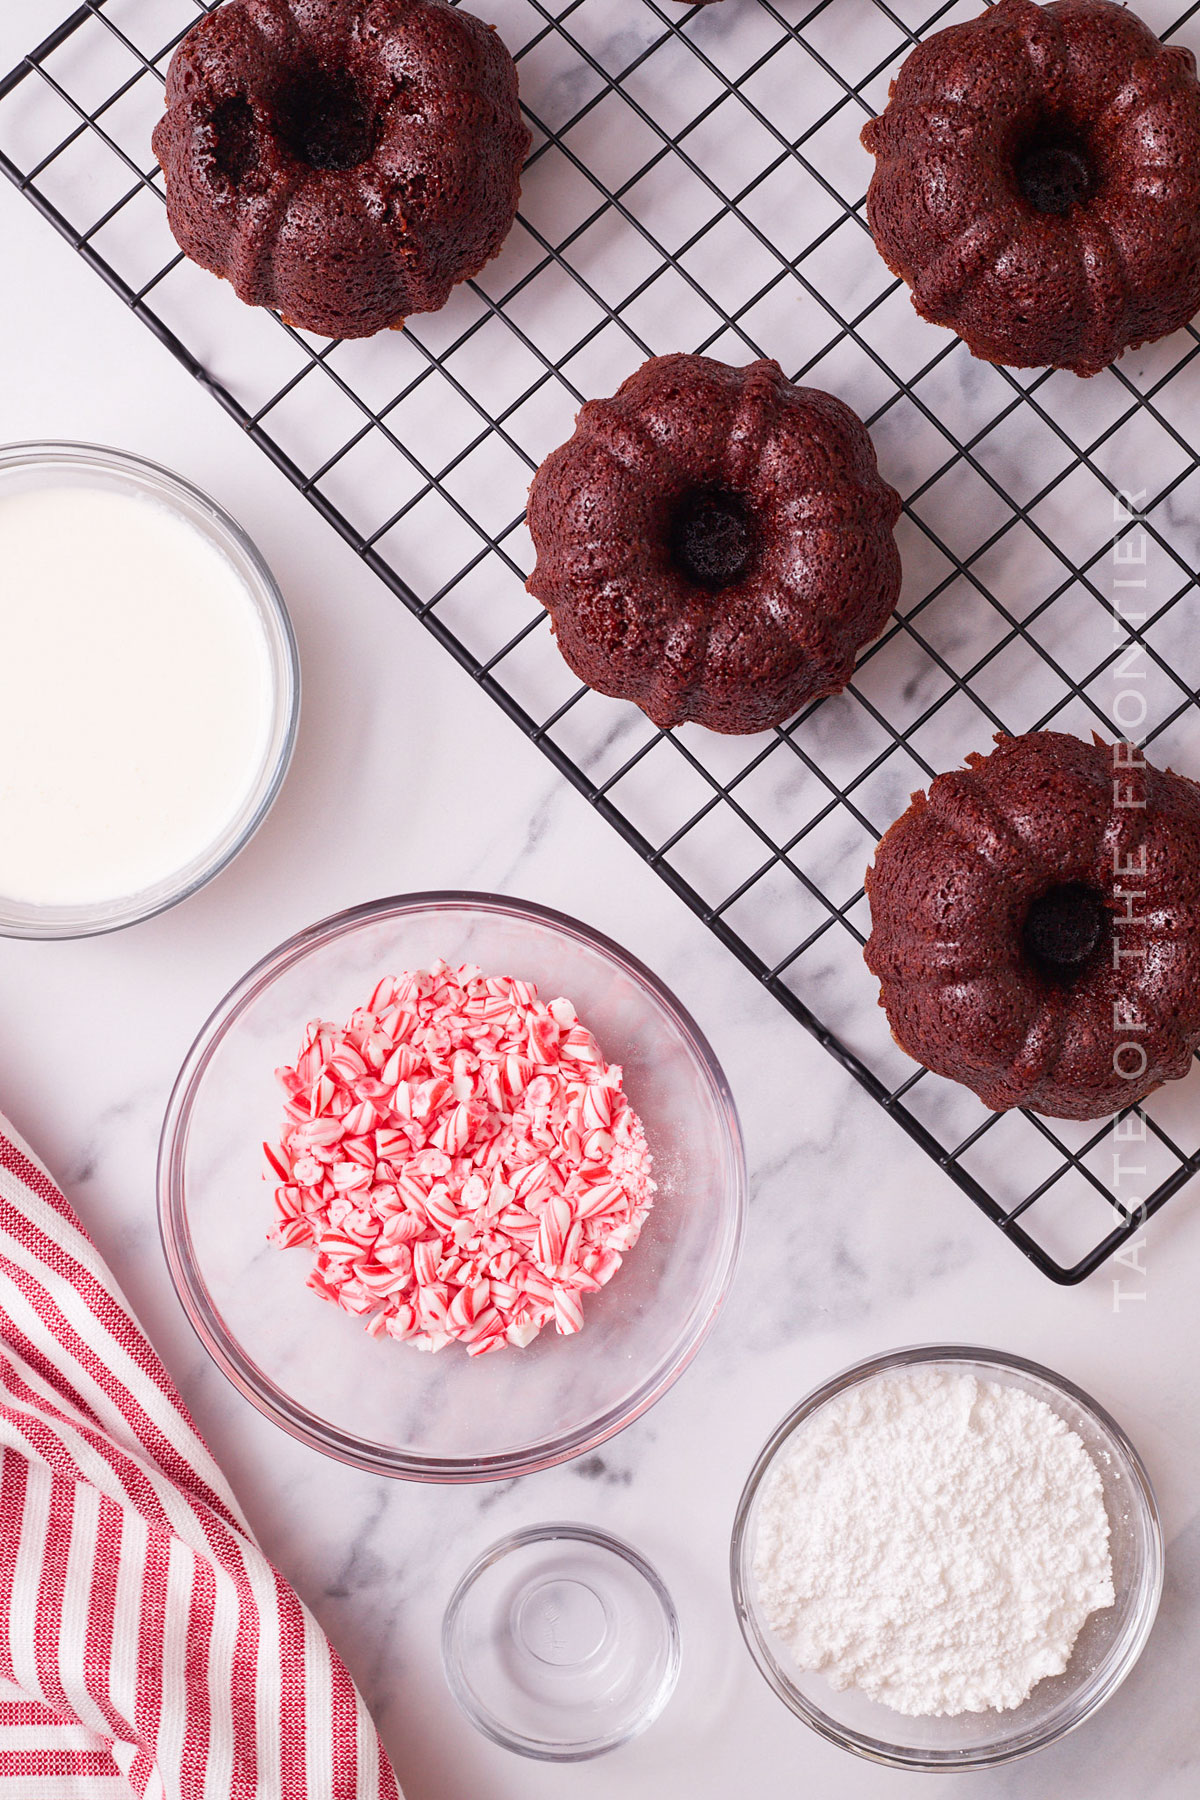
<point>696,183</point>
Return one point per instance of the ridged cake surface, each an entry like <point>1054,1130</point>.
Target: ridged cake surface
<point>1037,183</point>
<point>345,161</point>
<point>715,543</point>
<point>1036,925</point>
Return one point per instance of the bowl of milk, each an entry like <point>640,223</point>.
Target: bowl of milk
<point>149,689</point>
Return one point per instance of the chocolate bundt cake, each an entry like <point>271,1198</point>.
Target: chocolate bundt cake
<point>714,543</point>
<point>1036,925</point>
<point>1037,183</point>
<point>346,161</point>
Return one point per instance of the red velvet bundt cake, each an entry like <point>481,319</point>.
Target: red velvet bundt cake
<point>1037,183</point>
<point>1036,925</point>
<point>346,161</point>
<point>714,543</point>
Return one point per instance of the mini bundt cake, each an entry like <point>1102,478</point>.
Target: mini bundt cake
<point>345,161</point>
<point>1037,183</point>
<point>1036,925</point>
<point>714,543</point>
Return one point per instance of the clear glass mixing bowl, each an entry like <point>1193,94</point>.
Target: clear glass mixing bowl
<point>1105,1650</point>
<point>383,1405</point>
<point>36,466</point>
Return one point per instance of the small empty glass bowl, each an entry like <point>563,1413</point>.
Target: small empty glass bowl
<point>561,1642</point>
<point>384,1405</point>
<point>26,467</point>
<point>1105,1650</point>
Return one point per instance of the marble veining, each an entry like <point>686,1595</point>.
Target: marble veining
<point>407,777</point>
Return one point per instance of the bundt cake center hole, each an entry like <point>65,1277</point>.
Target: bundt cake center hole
<point>1054,172</point>
<point>326,122</point>
<point>235,144</point>
<point>712,538</point>
<point>1064,928</point>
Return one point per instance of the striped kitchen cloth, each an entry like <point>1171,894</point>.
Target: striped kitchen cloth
<point>146,1644</point>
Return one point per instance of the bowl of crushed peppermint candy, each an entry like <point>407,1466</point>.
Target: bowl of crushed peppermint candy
<point>451,1187</point>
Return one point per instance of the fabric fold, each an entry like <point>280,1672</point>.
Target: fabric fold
<point>146,1643</point>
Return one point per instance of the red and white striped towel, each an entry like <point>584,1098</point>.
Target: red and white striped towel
<point>146,1644</point>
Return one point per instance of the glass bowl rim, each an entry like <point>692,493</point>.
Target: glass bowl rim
<point>96,919</point>
<point>876,1749</point>
<point>239,1368</point>
<point>551,1532</point>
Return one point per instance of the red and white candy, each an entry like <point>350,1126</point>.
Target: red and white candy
<point>461,1159</point>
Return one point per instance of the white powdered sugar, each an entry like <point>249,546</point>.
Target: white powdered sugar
<point>934,1540</point>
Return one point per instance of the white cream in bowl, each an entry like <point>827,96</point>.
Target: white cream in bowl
<point>136,694</point>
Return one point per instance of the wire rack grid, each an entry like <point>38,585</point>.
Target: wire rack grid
<point>696,182</point>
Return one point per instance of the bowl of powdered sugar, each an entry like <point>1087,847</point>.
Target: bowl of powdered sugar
<point>946,1558</point>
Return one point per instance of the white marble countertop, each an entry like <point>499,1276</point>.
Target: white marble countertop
<point>406,777</point>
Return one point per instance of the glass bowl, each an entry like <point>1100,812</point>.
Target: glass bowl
<point>561,1642</point>
<point>1105,1650</point>
<point>384,1405</point>
<point>38,466</point>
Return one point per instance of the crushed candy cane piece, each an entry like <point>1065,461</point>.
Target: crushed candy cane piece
<point>460,1159</point>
